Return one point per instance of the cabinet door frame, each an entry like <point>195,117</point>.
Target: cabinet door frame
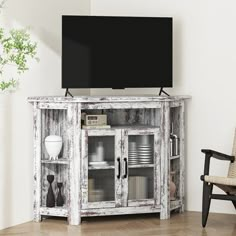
<point>116,133</point>
<point>155,202</point>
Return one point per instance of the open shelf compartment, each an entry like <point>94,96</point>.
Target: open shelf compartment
<point>54,122</point>
<point>129,118</point>
<point>60,173</point>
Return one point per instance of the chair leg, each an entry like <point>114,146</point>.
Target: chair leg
<point>234,202</point>
<point>206,201</point>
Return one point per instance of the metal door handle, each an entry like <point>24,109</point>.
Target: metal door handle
<point>118,176</point>
<point>126,168</point>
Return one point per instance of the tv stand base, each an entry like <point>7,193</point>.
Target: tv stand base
<point>68,93</point>
<point>162,91</point>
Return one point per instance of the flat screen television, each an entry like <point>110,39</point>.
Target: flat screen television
<point>116,52</point>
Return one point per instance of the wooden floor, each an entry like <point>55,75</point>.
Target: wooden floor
<point>187,224</point>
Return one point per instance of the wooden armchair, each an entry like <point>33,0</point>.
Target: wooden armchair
<point>227,184</point>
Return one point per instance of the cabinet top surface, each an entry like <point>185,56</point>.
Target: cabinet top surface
<point>96,99</point>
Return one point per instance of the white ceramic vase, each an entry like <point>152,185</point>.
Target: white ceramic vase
<point>53,144</point>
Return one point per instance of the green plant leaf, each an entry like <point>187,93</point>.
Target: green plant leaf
<point>17,49</point>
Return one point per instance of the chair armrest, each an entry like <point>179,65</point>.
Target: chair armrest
<point>218,155</point>
<point>211,153</point>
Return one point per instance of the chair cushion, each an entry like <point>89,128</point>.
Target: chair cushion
<point>232,169</point>
<point>220,180</point>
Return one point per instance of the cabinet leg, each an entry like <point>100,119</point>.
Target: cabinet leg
<point>181,210</point>
<point>74,220</point>
<point>37,218</point>
<point>165,214</point>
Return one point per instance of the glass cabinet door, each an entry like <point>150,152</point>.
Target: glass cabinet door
<point>141,160</point>
<point>100,160</point>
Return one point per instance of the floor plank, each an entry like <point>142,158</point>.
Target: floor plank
<point>187,224</point>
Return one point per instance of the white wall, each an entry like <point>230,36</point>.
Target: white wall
<point>44,78</point>
<point>204,67</point>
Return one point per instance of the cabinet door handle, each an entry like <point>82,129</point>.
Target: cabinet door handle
<point>126,168</point>
<point>118,176</point>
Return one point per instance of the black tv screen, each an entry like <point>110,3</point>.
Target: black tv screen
<point>116,52</point>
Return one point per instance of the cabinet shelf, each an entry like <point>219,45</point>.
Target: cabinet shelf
<point>141,166</point>
<point>101,167</point>
<point>54,211</point>
<point>62,161</point>
<point>112,167</point>
<point>132,127</point>
<point>175,204</point>
<point>174,157</point>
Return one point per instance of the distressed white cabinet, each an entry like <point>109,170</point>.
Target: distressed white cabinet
<point>133,175</point>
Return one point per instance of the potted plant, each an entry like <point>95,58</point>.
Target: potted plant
<point>16,49</point>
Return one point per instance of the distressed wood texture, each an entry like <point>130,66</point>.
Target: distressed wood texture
<point>62,161</point>
<point>74,137</point>
<point>165,162</point>
<point>37,159</point>
<point>54,122</point>
<point>48,105</point>
<point>182,158</point>
<point>108,99</point>
<point>55,211</point>
<point>120,211</point>
<point>118,159</point>
<point>155,120</point>
<point>157,168</point>
<point>84,169</point>
<point>124,154</point>
<point>177,163</point>
<point>129,116</point>
<point>103,105</point>
<point>101,132</point>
